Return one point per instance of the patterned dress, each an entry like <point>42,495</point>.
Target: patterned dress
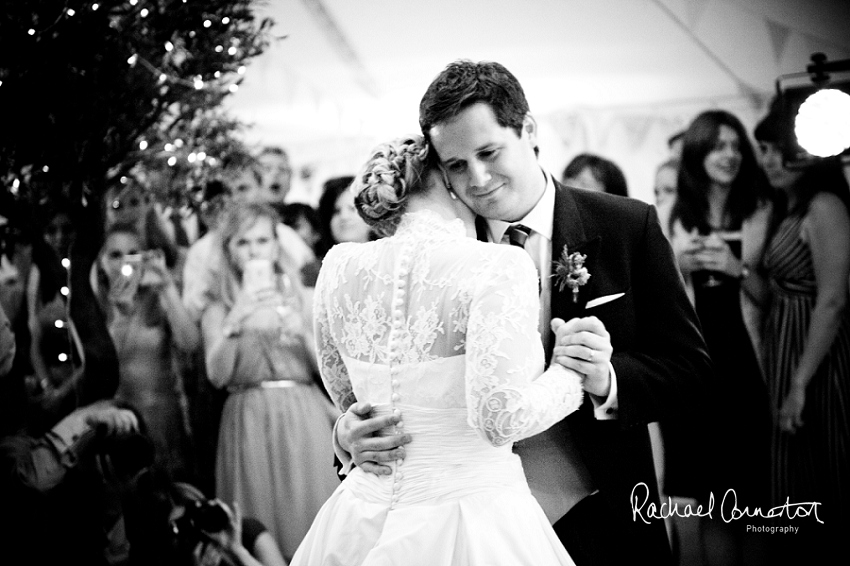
<point>814,463</point>
<point>442,329</point>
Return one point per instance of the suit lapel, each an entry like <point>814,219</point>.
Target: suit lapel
<point>578,235</point>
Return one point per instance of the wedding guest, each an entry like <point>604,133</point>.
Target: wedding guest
<point>718,226</point>
<point>338,217</point>
<point>304,219</point>
<point>276,172</point>
<point>807,342</point>
<point>595,173</point>
<point>56,353</point>
<point>273,458</point>
<point>151,331</point>
<point>665,189</point>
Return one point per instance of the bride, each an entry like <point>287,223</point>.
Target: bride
<point>441,329</point>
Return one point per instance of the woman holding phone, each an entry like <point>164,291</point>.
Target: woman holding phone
<point>274,458</point>
<point>151,331</point>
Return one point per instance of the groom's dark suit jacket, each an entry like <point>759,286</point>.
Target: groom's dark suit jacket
<point>659,356</point>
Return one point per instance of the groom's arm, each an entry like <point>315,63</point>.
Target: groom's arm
<point>357,435</point>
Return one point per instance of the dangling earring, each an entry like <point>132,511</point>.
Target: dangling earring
<point>452,194</point>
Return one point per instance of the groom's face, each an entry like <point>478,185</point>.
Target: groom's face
<point>492,169</point>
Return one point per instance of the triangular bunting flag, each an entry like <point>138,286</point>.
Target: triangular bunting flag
<point>779,35</point>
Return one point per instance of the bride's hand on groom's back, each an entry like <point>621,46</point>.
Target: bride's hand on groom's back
<point>359,434</point>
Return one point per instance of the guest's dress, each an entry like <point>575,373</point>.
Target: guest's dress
<point>275,457</point>
<point>738,437</point>
<point>149,382</point>
<point>813,464</point>
<point>442,329</point>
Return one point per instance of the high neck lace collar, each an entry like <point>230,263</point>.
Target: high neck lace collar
<point>431,223</point>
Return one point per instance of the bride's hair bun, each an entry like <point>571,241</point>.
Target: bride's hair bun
<point>392,173</point>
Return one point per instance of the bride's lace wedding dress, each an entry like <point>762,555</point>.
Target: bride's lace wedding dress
<point>442,329</point>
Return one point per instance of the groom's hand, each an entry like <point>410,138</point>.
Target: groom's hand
<point>584,345</point>
<point>360,434</point>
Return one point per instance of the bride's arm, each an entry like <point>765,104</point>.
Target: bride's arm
<point>507,397</point>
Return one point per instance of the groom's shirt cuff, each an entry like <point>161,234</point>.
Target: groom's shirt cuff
<point>604,410</point>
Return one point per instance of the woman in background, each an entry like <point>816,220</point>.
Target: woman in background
<point>151,331</point>
<point>717,230</point>
<point>274,458</point>
<point>339,221</point>
<point>807,341</point>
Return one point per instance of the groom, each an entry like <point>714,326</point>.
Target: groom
<point>633,333</point>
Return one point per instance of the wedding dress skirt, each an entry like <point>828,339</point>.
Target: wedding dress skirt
<point>454,500</point>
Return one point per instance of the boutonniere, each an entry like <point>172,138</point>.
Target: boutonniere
<point>571,272</point>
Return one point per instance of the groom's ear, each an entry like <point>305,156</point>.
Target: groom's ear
<point>529,127</point>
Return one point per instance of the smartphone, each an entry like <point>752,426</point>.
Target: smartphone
<point>257,275</point>
<point>127,282</point>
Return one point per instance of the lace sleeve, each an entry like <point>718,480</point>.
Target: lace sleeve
<point>331,366</point>
<point>507,397</point>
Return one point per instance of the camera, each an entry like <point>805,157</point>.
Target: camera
<point>209,516</point>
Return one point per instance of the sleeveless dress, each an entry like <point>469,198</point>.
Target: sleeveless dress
<point>738,442</point>
<point>147,381</point>
<point>442,329</point>
<point>274,456</point>
<point>813,464</point>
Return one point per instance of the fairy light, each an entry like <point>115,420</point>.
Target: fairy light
<point>172,161</point>
<point>241,70</point>
<point>133,2</point>
<point>63,357</point>
<point>66,263</point>
<point>143,145</point>
<point>219,48</point>
<point>71,12</point>
<point>225,20</point>
<point>59,323</point>
<point>95,6</point>
<point>162,78</point>
<point>169,46</point>
<point>65,291</point>
<point>31,31</point>
<point>191,157</point>
<point>233,88</point>
<point>45,168</point>
<point>207,23</point>
<point>144,13</point>
<point>232,51</point>
<point>132,60</point>
<point>169,147</point>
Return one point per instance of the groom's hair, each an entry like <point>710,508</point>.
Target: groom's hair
<point>464,83</point>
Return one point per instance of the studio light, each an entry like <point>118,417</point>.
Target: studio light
<point>817,104</point>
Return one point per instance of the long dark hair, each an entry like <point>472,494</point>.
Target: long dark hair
<point>748,189</point>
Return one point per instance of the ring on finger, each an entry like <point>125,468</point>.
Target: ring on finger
<point>590,357</point>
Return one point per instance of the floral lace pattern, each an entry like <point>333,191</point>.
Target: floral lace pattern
<point>393,315</point>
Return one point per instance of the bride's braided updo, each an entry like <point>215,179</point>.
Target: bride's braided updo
<point>394,171</point>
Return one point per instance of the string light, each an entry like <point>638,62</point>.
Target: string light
<point>143,145</point>
<point>65,291</point>
<point>59,323</point>
<point>94,7</point>
<point>71,12</point>
<point>63,357</point>
<point>144,13</point>
<point>66,263</point>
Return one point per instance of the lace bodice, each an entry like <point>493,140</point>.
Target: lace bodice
<point>431,318</point>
